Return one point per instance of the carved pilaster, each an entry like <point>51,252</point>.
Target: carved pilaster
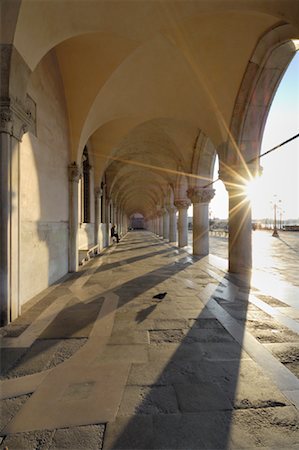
<point>182,204</point>
<point>200,195</point>
<point>74,172</point>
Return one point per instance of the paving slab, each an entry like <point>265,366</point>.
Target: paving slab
<point>148,400</point>
<point>78,396</point>
<point>203,380</point>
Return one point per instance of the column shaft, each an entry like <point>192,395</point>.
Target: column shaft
<point>172,225</point>
<point>240,229</point>
<point>200,229</point>
<point>74,176</point>
<point>9,228</point>
<point>165,225</point>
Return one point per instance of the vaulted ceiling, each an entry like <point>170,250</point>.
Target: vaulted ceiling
<point>143,80</point>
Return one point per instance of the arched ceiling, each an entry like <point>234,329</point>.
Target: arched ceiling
<point>143,79</point>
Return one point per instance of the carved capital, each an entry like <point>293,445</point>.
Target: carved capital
<point>171,209</point>
<point>235,177</point>
<point>200,195</point>
<point>6,120</point>
<point>74,172</point>
<point>16,118</point>
<point>182,204</point>
<point>98,192</point>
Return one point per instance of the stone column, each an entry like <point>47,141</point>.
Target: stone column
<point>97,197</point>
<point>200,199</point>
<point>14,121</point>
<point>172,224</point>
<point>182,206</point>
<point>160,215</point>
<point>165,224</point>
<point>74,177</point>
<point>157,225</point>
<point>239,220</point>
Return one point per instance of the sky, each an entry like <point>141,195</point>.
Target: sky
<point>281,168</point>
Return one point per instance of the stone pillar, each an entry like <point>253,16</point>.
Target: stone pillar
<point>97,197</point>
<point>160,215</point>
<point>157,225</point>
<point>165,224</point>
<point>200,199</point>
<point>172,224</point>
<point>239,220</point>
<point>14,120</point>
<point>182,206</point>
<point>74,177</point>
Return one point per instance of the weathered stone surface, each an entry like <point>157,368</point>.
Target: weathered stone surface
<point>161,373</point>
<point>40,440</point>
<point>133,432</point>
<point>9,407</point>
<point>270,427</point>
<point>201,397</point>
<point>85,437</point>
<point>148,400</point>
<point>44,354</point>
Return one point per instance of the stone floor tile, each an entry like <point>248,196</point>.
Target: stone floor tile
<point>40,440</point>
<point>163,373</point>
<point>130,433</point>
<point>226,351</point>
<point>201,397</point>
<point>123,353</point>
<point>205,430</point>
<point>88,437</point>
<point>272,427</point>
<point>148,400</point>
<point>129,337</point>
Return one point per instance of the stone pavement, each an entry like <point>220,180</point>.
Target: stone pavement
<point>97,362</point>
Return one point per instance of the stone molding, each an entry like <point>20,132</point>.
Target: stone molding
<point>182,204</point>
<point>200,195</point>
<point>74,172</point>
<point>17,118</point>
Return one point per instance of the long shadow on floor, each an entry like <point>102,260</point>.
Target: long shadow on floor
<point>190,401</point>
<point>75,320</point>
<point>127,261</point>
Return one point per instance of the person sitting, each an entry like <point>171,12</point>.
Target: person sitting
<point>114,233</point>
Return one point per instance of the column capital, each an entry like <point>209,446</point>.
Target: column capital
<point>182,203</point>
<point>235,177</point>
<point>171,209</point>
<point>200,195</point>
<point>74,172</point>
<point>98,192</point>
<point>17,118</point>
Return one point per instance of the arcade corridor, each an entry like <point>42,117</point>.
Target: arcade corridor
<point>98,362</point>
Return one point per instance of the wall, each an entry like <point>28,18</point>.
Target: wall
<point>44,185</point>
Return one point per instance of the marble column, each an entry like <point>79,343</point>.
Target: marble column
<point>182,206</point>
<point>165,224</point>
<point>200,199</point>
<point>157,225</point>
<point>172,224</point>
<point>239,220</point>
<point>161,224</point>
<point>74,177</point>
<point>97,198</point>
